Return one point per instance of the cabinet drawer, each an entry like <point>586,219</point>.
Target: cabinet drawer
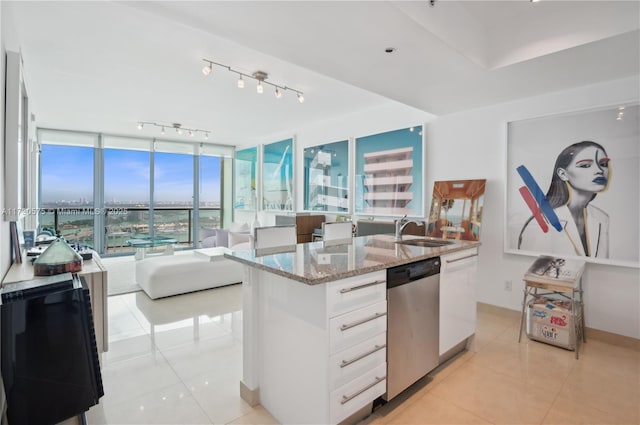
<point>355,395</point>
<point>458,259</point>
<point>356,292</point>
<point>357,326</point>
<point>353,362</point>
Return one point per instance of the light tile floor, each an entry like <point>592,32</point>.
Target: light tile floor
<point>178,361</point>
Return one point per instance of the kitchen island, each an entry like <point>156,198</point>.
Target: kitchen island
<point>314,324</point>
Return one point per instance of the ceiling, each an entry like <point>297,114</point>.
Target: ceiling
<point>103,66</point>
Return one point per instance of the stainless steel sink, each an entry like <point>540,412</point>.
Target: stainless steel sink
<point>428,243</point>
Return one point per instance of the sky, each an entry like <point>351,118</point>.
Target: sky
<point>67,174</point>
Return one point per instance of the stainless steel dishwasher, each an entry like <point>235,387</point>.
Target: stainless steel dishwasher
<point>413,310</point>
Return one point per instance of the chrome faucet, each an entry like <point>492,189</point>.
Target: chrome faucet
<point>402,223</point>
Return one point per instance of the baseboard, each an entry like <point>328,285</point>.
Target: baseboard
<point>252,397</point>
<point>500,311</point>
<point>595,334</point>
<point>613,339</point>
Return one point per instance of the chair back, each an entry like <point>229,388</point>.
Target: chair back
<point>334,230</point>
<point>274,236</point>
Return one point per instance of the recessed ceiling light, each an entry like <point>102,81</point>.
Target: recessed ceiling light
<point>390,50</point>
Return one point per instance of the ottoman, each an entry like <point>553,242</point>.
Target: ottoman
<point>167,275</point>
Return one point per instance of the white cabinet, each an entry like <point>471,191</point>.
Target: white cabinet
<point>357,314</point>
<point>457,298</point>
<point>321,349</point>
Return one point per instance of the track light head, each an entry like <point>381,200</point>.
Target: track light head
<point>162,131</point>
<point>240,82</point>
<point>140,125</point>
<point>207,69</point>
<point>259,87</point>
<point>278,93</point>
<point>300,98</point>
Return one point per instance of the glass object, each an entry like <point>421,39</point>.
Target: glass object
<point>245,174</point>
<point>58,258</point>
<point>389,173</point>
<point>277,175</point>
<point>326,176</point>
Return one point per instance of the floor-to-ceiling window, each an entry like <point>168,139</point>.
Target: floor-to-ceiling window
<point>67,185</point>
<point>173,190</point>
<point>130,188</point>
<point>127,186</point>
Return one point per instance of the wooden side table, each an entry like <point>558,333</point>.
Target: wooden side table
<point>565,282</point>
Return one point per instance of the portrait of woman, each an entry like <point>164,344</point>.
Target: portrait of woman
<point>581,171</point>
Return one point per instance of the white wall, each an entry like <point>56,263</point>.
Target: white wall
<point>472,144</point>
<point>381,118</point>
<point>5,246</point>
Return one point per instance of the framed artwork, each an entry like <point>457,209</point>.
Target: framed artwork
<point>456,209</point>
<point>277,176</point>
<point>572,186</point>
<point>246,172</point>
<point>326,177</point>
<point>389,173</point>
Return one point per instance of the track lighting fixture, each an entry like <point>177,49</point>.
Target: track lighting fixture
<point>177,127</point>
<point>259,76</point>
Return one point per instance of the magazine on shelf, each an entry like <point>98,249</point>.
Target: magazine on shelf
<point>555,270</point>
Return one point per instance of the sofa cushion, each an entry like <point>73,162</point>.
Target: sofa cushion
<point>209,242</point>
<point>222,237</point>
<point>239,227</point>
<point>238,238</point>
<point>208,232</point>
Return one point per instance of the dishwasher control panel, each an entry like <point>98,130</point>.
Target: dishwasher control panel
<point>409,272</point>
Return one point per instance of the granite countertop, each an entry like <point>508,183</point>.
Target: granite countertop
<point>320,262</point>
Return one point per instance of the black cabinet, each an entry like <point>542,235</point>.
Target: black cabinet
<point>49,360</point>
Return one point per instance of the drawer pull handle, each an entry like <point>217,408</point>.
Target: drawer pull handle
<point>462,258</point>
<point>348,398</point>
<point>360,322</point>
<point>366,285</point>
<point>346,363</point>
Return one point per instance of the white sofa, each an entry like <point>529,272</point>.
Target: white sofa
<point>166,275</point>
<point>236,234</point>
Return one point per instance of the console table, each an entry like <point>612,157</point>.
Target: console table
<point>95,274</point>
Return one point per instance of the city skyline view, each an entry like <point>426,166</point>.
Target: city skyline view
<point>67,178</point>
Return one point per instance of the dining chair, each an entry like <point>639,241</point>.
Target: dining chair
<point>274,236</point>
<point>334,230</point>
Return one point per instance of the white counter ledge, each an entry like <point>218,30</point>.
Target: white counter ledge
<point>320,262</point>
